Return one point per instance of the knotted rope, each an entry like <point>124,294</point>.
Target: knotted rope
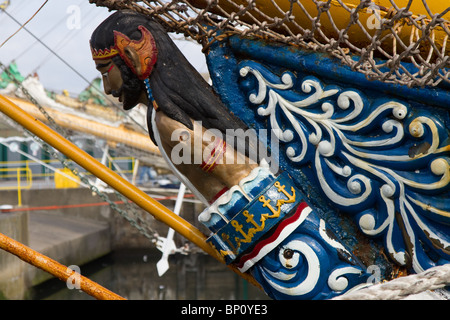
<point>400,288</point>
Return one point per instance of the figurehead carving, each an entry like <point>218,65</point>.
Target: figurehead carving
<point>141,64</point>
<point>144,51</point>
<point>253,212</point>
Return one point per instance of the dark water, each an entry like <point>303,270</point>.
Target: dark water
<point>133,275</point>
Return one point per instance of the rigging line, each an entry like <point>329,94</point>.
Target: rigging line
<point>59,46</point>
<point>48,48</point>
<point>50,30</point>
<point>66,39</point>
<point>62,43</point>
<point>22,26</point>
<point>72,68</point>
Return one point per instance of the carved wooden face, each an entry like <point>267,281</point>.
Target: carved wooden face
<point>112,79</point>
<point>128,94</point>
<point>138,55</point>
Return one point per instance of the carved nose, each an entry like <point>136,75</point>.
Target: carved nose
<point>106,86</point>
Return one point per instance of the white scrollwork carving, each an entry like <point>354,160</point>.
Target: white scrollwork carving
<point>337,280</point>
<point>313,270</point>
<point>375,159</point>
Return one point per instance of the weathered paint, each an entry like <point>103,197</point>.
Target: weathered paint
<point>414,173</point>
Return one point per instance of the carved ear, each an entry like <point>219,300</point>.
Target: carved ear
<point>133,58</point>
<point>139,55</point>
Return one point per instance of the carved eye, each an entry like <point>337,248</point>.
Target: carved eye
<point>288,253</point>
<point>106,74</point>
<point>289,258</point>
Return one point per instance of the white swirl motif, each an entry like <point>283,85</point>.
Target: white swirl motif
<point>337,281</point>
<point>313,267</point>
<point>373,159</point>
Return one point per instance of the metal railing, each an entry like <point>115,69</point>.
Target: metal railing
<point>14,180</point>
<point>139,197</point>
<point>19,175</point>
<point>39,170</point>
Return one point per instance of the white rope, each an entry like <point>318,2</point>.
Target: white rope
<point>400,288</point>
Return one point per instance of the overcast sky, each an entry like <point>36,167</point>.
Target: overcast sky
<point>64,26</point>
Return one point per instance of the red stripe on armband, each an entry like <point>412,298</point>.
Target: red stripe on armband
<point>217,196</point>
<point>217,153</point>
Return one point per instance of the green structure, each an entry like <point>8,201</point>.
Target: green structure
<point>9,75</point>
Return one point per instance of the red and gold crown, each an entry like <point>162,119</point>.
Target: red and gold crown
<point>99,54</point>
<point>144,47</point>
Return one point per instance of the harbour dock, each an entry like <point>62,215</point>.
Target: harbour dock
<point>71,226</point>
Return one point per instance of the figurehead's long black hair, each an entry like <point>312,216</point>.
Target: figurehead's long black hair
<point>178,89</point>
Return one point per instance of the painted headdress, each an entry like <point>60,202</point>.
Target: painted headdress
<point>116,34</point>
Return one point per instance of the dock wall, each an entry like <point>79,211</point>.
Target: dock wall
<point>71,226</point>
<point>13,280</point>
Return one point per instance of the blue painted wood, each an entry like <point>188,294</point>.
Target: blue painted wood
<point>328,68</point>
<point>371,157</point>
<point>270,231</point>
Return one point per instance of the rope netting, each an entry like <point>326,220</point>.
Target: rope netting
<point>433,279</point>
<point>394,41</point>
